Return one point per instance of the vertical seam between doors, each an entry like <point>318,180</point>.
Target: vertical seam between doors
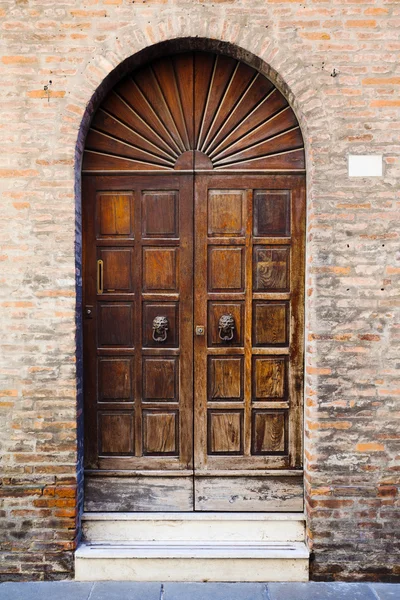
<point>193,284</point>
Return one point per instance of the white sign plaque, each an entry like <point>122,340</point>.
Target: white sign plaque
<point>365,165</point>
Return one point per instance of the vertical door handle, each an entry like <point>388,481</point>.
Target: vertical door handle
<point>100,276</point>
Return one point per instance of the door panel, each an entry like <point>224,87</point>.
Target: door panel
<point>246,393</point>
<point>249,266</point>
<point>138,262</point>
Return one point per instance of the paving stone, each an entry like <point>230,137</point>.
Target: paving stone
<point>320,591</point>
<point>46,590</point>
<point>215,591</point>
<point>387,591</point>
<point>126,590</point>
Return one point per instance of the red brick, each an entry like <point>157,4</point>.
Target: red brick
<point>370,447</point>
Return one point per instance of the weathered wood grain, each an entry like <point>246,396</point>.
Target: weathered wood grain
<point>259,494</point>
<point>148,494</point>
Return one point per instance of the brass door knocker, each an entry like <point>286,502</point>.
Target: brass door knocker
<point>160,328</point>
<point>226,327</point>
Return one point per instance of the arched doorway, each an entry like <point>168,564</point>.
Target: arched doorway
<point>193,264</point>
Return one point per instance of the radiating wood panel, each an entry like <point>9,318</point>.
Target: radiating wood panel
<point>249,103</point>
<point>224,112</point>
<point>260,125</point>
<point>223,70</point>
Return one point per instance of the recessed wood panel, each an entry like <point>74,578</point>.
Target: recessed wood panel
<point>159,379</point>
<point>271,269</point>
<point>268,432</point>
<point>225,435</point>
<point>160,433</point>
<point>226,213</point>
<point>160,214</point>
<point>271,213</point>
<point>115,217</point>
<point>160,269</point>
<point>115,379</point>
<point>116,433</point>
<point>156,309</point>
<point>270,323</point>
<point>225,375</point>
<point>115,324</point>
<point>269,378</point>
<point>117,269</point>
<point>225,269</point>
<point>215,312</point>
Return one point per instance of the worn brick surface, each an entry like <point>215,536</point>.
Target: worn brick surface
<point>338,62</point>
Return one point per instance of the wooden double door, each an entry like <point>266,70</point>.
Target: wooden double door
<point>193,337</point>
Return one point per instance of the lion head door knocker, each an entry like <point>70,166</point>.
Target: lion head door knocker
<point>160,329</point>
<point>226,327</point>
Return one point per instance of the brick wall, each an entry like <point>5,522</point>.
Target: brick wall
<point>338,62</point>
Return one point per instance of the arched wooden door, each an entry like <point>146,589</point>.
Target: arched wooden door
<point>193,221</point>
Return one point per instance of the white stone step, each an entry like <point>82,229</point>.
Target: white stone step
<point>202,527</point>
<point>192,561</point>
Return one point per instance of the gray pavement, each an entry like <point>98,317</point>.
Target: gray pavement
<point>126,590</point>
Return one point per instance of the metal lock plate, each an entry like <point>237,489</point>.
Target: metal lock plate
<point>200,329</point>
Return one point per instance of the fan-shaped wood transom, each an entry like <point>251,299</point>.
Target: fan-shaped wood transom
<point>194,111</point>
